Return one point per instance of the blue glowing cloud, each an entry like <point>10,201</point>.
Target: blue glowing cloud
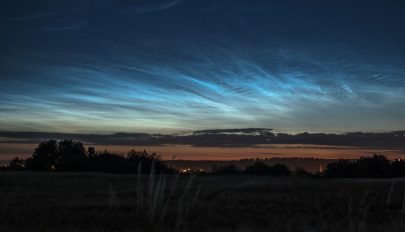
<point>186,65</point>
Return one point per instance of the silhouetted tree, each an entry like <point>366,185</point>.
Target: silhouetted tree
<point>44,157</point>
<point>142,162</point>
<point>107,162</point>
<point>91,152</point>
<point>33,164</point>
<point>71,156</point>
<point>377,166</point>
<point>342,169</point>
<point>398,168</point>
<point>61,155</point>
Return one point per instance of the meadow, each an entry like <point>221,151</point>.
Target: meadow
<point>35,201</point>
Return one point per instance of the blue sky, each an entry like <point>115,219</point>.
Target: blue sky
<point>174,65</point>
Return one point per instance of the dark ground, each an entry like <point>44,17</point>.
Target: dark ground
<point>102,202</point>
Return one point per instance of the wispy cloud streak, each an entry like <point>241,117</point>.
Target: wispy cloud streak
<point>93,69</point>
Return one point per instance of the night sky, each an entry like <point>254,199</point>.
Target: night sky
<point>173,65</point>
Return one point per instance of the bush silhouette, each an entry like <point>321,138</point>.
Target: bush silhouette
<point>91,152</point>
<point>342,169</point>
<point>280,170</point>
<point>147,163</point>
<point>300,171</point>
<point>258,168</point>
<point>229,169</point>
<point>16,164</point>
<point>398,168</point>
<point>376,166</point>
<point>107,162</point>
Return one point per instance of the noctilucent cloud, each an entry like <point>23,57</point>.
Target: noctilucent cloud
<point>173,65</point>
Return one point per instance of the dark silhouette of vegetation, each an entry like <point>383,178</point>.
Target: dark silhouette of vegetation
<point>260,168</point>
<point>44,157</point>
<point>71,155</point>
<point>108,162</point>
<point>342,168</point>
<point>229,169</point>
<point>376,166</point>
<point>91,152</point>
<point>16,164</point>
<point>398,168</point>
<point>145,162</point>
<point>280,170</point>
<point>301,172</point>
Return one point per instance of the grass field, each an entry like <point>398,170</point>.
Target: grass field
<point>102,202</point>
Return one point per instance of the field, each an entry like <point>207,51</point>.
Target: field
<point>103,202</point>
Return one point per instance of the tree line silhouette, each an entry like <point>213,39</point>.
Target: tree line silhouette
<point>72,156</point>
<point>376,166</point>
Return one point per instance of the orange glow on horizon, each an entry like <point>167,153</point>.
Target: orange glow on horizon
<point>185,152</point>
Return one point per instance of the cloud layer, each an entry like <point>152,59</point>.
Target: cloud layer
<point>249,137</point>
